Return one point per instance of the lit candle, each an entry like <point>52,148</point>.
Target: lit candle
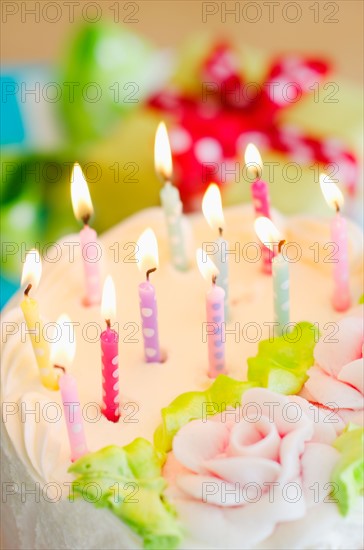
<point>215,297</point>
<point>170,199</point>
<point>83,210</point>
<point>31,276</point>
<point>341,299</point>
<point>147,257</point>
<point>62,355</point>
<point>260,196</point>
<point>212,210</point>
<point>110,355</point>
<point>270,236</point>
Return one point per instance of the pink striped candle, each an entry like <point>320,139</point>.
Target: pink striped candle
<point>215,316</point>
<point>73,415</point>
<point>110,355</point>
<point>260,196</point>
<point>147,257</point>
<point>90,249</point>
<point>341,299</point>
<point>62,355</point>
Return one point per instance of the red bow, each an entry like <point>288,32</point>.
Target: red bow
<point>213,130</point>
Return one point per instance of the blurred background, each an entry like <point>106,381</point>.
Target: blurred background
<point>89,82</point>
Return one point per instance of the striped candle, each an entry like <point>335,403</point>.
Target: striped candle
<point>280,272</point>
<point>170,199</point>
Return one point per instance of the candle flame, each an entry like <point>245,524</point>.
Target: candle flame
<point>32,269</point>
<point>80,194</point>
<point>267,232</point>
<point>108,303</point>
<point>162,153</point>
<point>212,207</point>
<point>253,160</point>
<point>331,192</point>
<point>147,251</point>
<point>206,266</point>
<point>63,349</point>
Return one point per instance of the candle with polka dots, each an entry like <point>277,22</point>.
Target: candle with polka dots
<point>269,234</point>
<point>90,249</point>
<point>341,299</point>
<point>147,258</point>
<point>31,276</point>
<point>62,355</point>
<point>212,210</point>
<point>215,318</point>
<point>109,355</point>
<point>260,196</point>
<point>170,200</point>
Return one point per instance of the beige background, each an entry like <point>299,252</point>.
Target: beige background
<point>168,22</point>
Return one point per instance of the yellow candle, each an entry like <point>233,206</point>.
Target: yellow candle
<point>31,275</point>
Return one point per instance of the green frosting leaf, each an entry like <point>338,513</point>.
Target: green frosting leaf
<point>282,362</point>
<point>128,481</point>
<point>348,474</point>
<point>361,299</point>
<point>224,392</point>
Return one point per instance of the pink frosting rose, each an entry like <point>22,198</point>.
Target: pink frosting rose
<point>244,476</point>
<point>336,380</point>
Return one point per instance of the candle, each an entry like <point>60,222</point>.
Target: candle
<point>147,257</point>
<point>268,234</point>
<point>31,276</point>
<point>260,195</point>
<point>83,210</point>
<point>62,355</point>
<point>110,355</point>
<point>215,319</point>
<point>212,210</point>
<point>170,200</point>
<point>341,299</point>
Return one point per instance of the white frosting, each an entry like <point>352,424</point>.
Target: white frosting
<point>145,388</point>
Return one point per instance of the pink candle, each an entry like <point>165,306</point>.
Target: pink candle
<point>73,416</point>
<point>147,257</point>
<point>91,264</point>
<point>90,249</point>
<point>260,196</point>
<point>341,300</point>
<point>62,354</point>
<point>215,316</point>
<point>110,355</point>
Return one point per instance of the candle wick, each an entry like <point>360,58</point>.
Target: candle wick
<point>220,231</point>
<point>26,291</point>
<point>86,219</point>
<point>61,368</point>
<point>214,277</point>
<point>108,323</point>
<point>150,271</point>
<point>337,207</point>
<point>280,245</point>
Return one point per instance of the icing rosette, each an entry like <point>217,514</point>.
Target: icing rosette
<point>240,476</point>
<point>336,381</point>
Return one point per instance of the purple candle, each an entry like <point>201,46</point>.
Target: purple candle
<point>260,196</point>
<point>215,317</point>
<point>90,249</point>
<point>147,256</point>
<point>109,355</point>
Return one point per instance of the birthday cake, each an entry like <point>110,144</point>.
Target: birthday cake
<point>241,461</point>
